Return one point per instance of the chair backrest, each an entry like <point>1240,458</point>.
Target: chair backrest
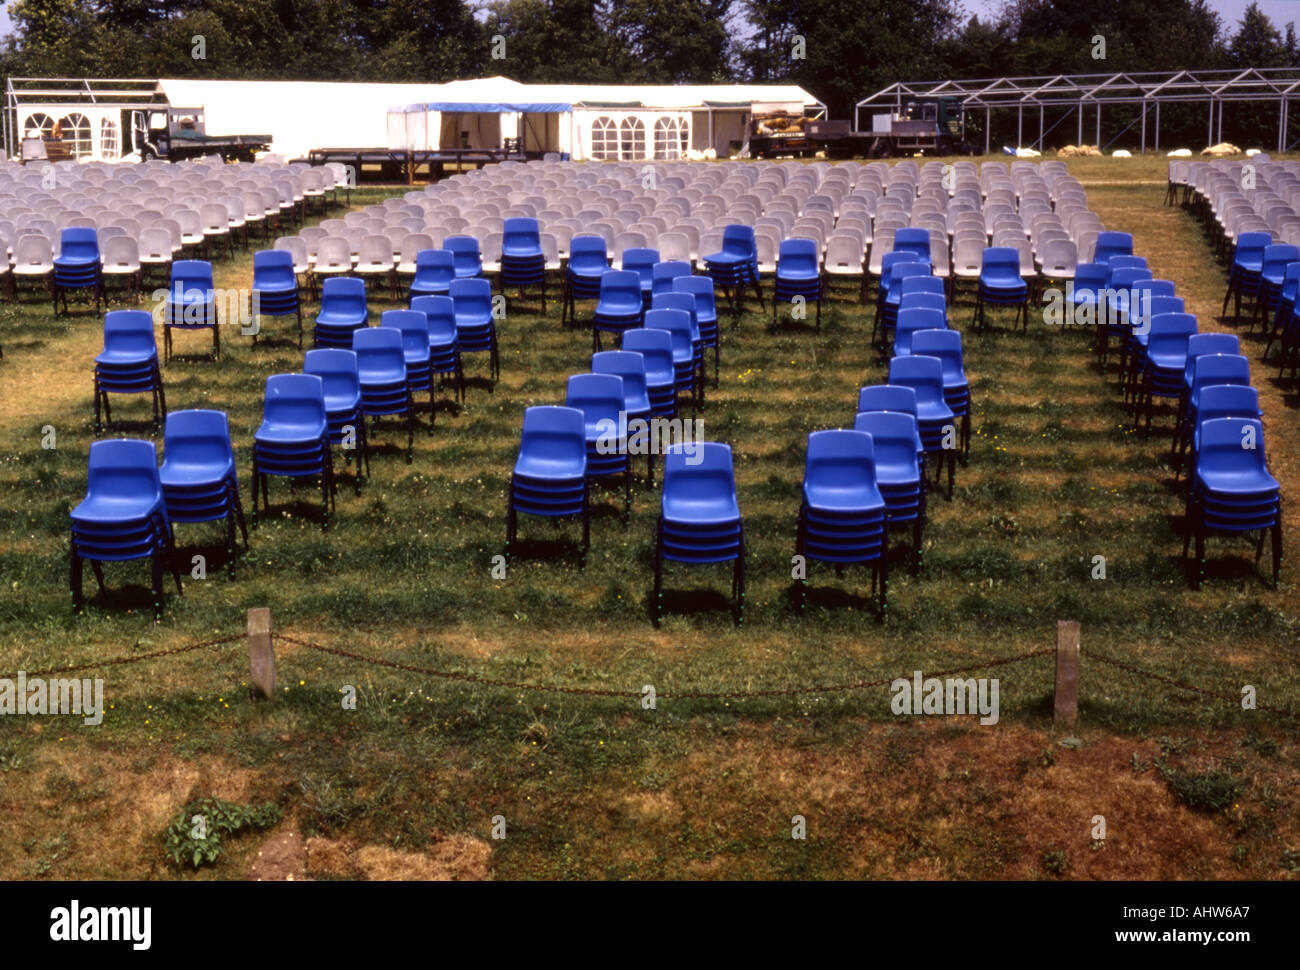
<point>922,374</point>
<point>1210,369</point>
<point>199,437</point>
<point>440,311</point>
<point>913,319</point>
<point>1001,261</point>
<point>628,365</point>
<point>130,331</point>
<point>414,327</point>
<point>1227,401</point>
<point>79,242</point>
<point>887,397</point>
<point>123,467</point>
<point>944,344</point>
<point>914,240</point>
<point>839,458</point>
<point>295,399</point>
<point>1112,244</point>
<point>654,345</point>
<point>556,434</point>
<point>1250,248</point>
<point>338,370</point>
<point>677,322</point>
<point>587,254</point>
<point>599,397</point>
<point>473,301</point>
<point>895,437</point>
<point>379,350</point>
<point>702,470</point>
<point>343,293</point>
<point>521,237</point>
<point>273,266</point>
<point>1221,444</point>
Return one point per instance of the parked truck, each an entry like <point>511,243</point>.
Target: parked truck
<point>176,134</point>
<point>926,127</point>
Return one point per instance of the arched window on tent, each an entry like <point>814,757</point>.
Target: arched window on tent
<point>632,141</point>
<point>668,138</point>
<point>108,138</point>
<point>41,124</point>
<point>604,138</point>
<point>76,134</point>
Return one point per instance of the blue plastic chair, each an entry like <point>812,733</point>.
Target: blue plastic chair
<point>128,364</point>
<point>843,518</point>
<point>588,262</point>
<point>275,289</point>
<point>656,347</point>
<point>550,474</point>
<point>600,399</point>
<point>414,328</point>
<point>706,313</point>
<point>123,517</point>
<point>889,298</point>
<point>900,475</point>
<point>465,253</point>
<point>1001,284</point>
<point>913,240</point>
<point>1272,278</point>
<point>641,260</point>
<point>699,519</point>
<point>1163,362</point>
<point>933,415</point>
<point>444,344</point>
<point>434,271</point>
<point>523,264</point>
<point>381,369</point>
<point>476,330</point>
<point>198,477</point>
<point>946,345</point>
<point>1232,491</point>
<point>1112,244</point>
<point>620,307</point>
<point>678,324</point>
<point>1244,273</point>
<point>293,439</point>
<point>666,272</point>
<point>341,378</point>
<point>190,303</point>
<point>77,266</point>
<point>798,275</point>
<point>343,312</point>
<point>630,367</point>
<point>736,266</point>
<point>910,321</point>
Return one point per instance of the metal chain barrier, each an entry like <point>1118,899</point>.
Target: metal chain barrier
<point>663,695</point>
<point>135,658</point>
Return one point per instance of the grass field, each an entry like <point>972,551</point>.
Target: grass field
<point>594,787</point>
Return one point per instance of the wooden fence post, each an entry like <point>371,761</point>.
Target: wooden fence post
<point>1067,672</point>
<point>261,655</point>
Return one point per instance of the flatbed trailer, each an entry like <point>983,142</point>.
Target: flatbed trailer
<point>401,163</point>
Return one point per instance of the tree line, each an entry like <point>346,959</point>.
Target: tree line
<point>839,50</point>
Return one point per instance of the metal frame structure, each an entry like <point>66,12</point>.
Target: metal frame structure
<point>1078,92</point>
<point>127,93</point>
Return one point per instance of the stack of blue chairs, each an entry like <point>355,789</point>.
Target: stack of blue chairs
<point>600,399</point>
<point>687,302</point>
<point>414,328</point>
<point>434,271</point>
<point>1164,362</point>
<point>1232,491</point>
<point>656,347</point>
<point>293,440</point>
<point>78,265</point>
<point>910,321</point>
<point>381,369</point>
<point>947,347</point>
<point>198,478</point>
<point>896,267</point>
<point>1286,301</point>
<point>476,330</point>
<point>842,519</point>
<point>678,324</point>
<point>736,266</point>
<point>1151,296</point>
<point>630,367</point>
<point>190,304</point>
<point>275,288</point>
<point>1219,401</point>
<point>1245,271</point>
<point>123,516</point>
<point>1123,274</point>
<point>706,313</point>
<point>1272,278</point>
<point>341,380</point>
<point>1001,284</point>
<point>620,307</point>
<point>896,442</point>
<point>933,415</point>
<point>798,275</point>
<point>699,520</point>
<point>1210,361</point>
<point>343,311</point>
<point>550,475</point>
<point>588,262</point>
<point>444,346</point>
<point>522,262</point>
<point>128,364</point>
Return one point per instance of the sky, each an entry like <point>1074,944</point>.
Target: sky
<point>1230,11</point>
